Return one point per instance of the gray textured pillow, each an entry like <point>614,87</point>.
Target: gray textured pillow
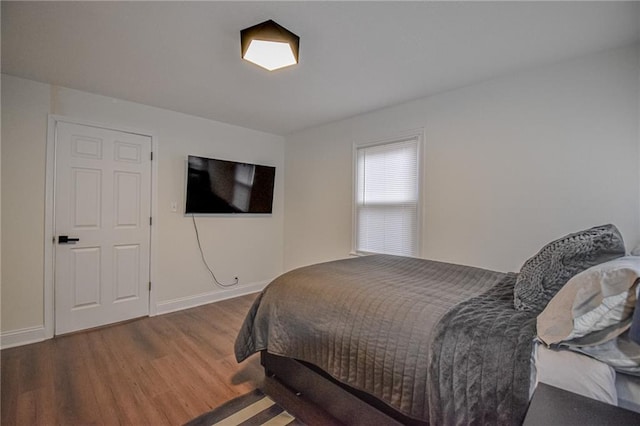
<point>544,274</point>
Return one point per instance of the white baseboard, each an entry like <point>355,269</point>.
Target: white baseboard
<point>204,298</point>
<point>24,336</point>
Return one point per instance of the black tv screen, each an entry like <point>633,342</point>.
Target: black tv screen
<point>228,187</point>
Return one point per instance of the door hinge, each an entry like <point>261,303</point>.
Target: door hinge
<point>150,221</point>
<point>149,285</point>
<point>151,155</point>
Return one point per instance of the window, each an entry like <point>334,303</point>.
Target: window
<point>245,174</point>
<point>387,197</point>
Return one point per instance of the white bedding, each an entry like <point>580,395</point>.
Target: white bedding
<point>628,388</point>
<point>583,375</point>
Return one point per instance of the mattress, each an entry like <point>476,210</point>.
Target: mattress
<point>585,376</point>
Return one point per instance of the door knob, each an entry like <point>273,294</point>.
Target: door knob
<point>64,239</point>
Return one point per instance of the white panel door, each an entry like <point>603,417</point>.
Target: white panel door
<point>102,226</point>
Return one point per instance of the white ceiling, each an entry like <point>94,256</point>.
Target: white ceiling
<point>355,57</point>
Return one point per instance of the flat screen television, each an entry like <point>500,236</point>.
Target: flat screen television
<point>228,187</point>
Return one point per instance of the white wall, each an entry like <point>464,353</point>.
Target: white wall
<point>511,164</point>
<point>248,247</point>
<point>0,216</point>
<point>25,105</point>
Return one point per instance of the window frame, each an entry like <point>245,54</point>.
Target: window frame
<point>418,135</point>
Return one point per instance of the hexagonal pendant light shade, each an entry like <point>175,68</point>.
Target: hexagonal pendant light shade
<point>269,45</point>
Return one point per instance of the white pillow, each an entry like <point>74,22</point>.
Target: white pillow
<point>594,306</point>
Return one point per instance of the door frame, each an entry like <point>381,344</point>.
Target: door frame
<point>49,237</point>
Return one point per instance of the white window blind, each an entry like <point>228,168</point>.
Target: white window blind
<point>387,198</point>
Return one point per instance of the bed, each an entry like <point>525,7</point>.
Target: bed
<point>419,341</point>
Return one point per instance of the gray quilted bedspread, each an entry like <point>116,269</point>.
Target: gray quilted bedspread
<point>386,325</point>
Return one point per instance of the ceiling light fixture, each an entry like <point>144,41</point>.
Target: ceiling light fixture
<point>269,45</point>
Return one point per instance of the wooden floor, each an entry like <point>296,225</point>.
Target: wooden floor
<point>163,370</point>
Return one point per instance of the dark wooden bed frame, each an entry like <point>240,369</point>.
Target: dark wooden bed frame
<point>346,404</point>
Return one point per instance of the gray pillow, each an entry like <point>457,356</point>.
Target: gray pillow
<point>544,274</point>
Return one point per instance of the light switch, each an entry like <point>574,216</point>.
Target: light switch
<point>174,206</point>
